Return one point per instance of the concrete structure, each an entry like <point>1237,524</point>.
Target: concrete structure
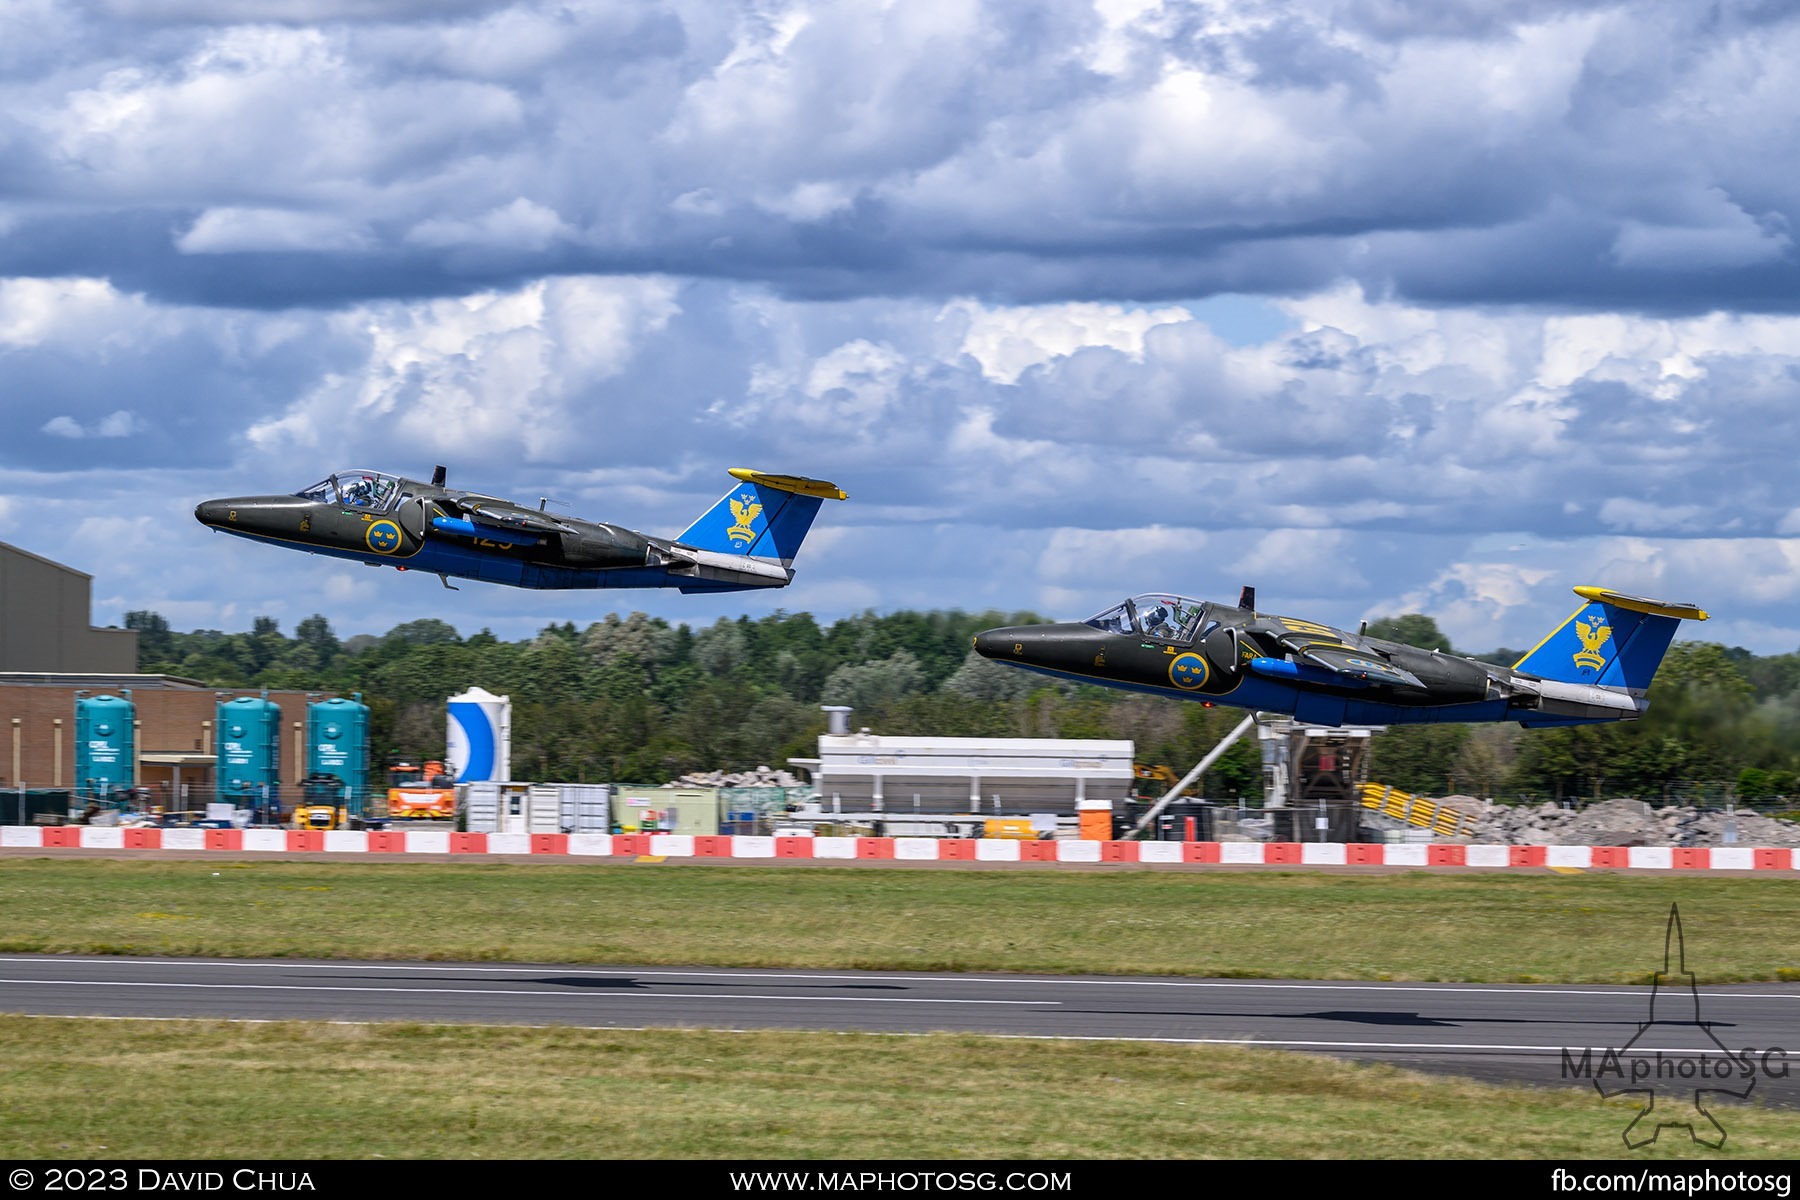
<point>869,773</point>
<point>44,620</point>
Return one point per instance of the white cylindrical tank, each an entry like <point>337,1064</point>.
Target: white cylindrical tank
<point>480,728</point>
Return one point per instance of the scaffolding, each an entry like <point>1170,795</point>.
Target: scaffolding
<point>1306,766</point>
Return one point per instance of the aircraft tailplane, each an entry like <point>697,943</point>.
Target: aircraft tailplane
<point>1612,641</point>
<point>765,516</point>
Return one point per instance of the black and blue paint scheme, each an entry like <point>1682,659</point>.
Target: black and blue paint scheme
<point>1594,667</point>
<point>749,539</point>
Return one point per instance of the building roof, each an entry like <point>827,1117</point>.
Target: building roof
<point>863,754</point>
<point>48,562</point>
<point>102,681</point>
<point>178,759</point>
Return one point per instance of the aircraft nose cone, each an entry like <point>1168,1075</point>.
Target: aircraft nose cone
<point>1052,646</point>
<point>994,643</point>
<point>211,512</point>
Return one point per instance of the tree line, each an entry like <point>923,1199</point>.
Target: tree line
<point>636,699</point>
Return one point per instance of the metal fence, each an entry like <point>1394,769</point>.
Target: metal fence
<point>1209,821</point>
<point>182,804</point>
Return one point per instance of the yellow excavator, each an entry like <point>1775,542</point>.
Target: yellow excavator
<point>321,804</point>
<point>1145,777</point>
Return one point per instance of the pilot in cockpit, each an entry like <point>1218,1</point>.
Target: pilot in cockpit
<point>1159,622</point>
<point>358,493</point>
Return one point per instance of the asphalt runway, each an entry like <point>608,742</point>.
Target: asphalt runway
<point>1499,1032</point>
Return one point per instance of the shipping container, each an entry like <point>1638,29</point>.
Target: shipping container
<point>584,807</point>
<point>666,810</point>
<point>491,807</point>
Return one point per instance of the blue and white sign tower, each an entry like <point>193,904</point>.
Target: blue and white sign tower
<point>480,728</point>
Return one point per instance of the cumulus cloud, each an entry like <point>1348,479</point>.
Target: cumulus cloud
<point>1074,557</point>
<point>520,225</point>
<point>230,230</point>
<point>486,373</point>
<point>1121,152</point>
<point>114,425</point>
<point>1294,559</point>
<point>35,311</point>
<point>1521,281</point>
<point>1007,341</point>
<point>1465,459</point>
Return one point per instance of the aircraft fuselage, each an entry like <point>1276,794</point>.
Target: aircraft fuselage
<point>389,521</point>
<point>1217,653</point>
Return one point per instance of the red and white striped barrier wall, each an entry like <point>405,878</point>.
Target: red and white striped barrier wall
<point>900,849</point>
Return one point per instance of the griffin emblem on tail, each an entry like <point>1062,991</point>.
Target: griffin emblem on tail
<point>742,513</point>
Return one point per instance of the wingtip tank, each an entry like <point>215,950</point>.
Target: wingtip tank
<point>1654,608</point>
<point>798,484</point>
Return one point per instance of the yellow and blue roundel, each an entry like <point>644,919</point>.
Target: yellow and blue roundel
<point>383,537</point>
<point>1188,671</point>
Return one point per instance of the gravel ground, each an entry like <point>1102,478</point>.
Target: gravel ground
<point>1623,823</point>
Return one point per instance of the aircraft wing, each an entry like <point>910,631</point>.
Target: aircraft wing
<point>1361,665</point>
<point>502,515</point>
<point>1297,637</point>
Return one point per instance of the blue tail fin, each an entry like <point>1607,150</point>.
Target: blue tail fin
<point>766,516</point>
<point>1611,641</point>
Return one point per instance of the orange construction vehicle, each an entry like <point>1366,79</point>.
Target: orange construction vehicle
<point>421,791</point>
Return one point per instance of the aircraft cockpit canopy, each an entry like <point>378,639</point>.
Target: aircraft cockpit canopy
<point>1154,615</point>
<point>371,491</point>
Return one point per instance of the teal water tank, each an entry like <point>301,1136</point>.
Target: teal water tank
<point>249,770</point>
<point>105,745</point>
<point>337,743</point>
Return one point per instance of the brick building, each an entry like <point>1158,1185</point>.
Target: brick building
<point>50,654</point>
<point>176,739</point>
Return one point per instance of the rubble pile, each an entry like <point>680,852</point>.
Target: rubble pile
<point>1627,823</point>
<point>762,776</point>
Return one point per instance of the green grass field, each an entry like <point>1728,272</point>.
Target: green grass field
<point>286,1090</point>
<point>1472,928</point>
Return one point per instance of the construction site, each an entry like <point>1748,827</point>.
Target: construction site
<point>1316,784</point>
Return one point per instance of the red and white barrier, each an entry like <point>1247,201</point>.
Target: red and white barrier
<point>899,849</point>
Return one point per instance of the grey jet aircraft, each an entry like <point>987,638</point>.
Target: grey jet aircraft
<point>747,540</point>
<point>1596,666</point>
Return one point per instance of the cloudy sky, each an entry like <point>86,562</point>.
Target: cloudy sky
<point>1380,305</point>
